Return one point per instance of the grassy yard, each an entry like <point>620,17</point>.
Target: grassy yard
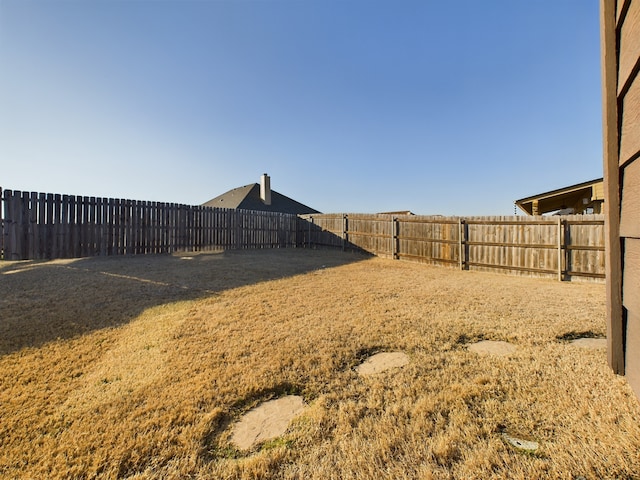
<point>139,367</point>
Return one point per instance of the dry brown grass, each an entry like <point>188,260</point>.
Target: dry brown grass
<point>137,368</point>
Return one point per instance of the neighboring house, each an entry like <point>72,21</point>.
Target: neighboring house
<point>398,212</point>
<point>259,197</point>
<point>586,197</point>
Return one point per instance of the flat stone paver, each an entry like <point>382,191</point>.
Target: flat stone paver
<point>382,361</point>
<point>267,421</point>
<point>519,443</point>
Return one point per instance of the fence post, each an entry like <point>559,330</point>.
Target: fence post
<point>345,231</point>
<point>394,238</point>
<point>1,226</point>
<point>3,252</point>
<point>560,226</point>
<point>461,243</point>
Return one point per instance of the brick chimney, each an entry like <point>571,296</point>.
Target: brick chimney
<point>265,189</point>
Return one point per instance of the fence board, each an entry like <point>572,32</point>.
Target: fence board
<point>33,225</point>
<point>11,226</point>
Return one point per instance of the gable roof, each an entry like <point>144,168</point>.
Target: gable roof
<point>248,198</point>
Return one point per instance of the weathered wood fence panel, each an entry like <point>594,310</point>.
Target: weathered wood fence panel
<point>372,233</point>
<point>322,230</point>
<point>45,226</point>
<point>563,247</point>
<point>428,239</point>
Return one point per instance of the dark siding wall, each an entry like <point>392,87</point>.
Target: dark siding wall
<point>621,84</point>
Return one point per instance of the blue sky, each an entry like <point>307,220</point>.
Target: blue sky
<point>454,108</point>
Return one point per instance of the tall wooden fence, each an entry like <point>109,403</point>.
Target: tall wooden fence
<point>563,247</point>
<point>45,226</point>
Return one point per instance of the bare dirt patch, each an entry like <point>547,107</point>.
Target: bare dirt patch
<point>139,367</point>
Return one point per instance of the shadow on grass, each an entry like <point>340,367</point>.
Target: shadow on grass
<point>574,335</point>
<point>62,299</point>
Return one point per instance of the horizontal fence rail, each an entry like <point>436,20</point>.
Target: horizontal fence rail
<point>564,247</point>
<point>45,226</point>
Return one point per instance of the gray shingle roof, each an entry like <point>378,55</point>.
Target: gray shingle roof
<point>248,198</point>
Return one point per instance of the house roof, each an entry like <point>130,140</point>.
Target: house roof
<point>248,198</point>
<point>397,212</point>
<point>577,196</point>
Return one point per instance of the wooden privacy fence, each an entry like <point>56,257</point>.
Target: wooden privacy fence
<point>46,226</point>
<point>561,246</point>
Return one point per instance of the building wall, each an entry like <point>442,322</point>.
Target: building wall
<point>620,31</point>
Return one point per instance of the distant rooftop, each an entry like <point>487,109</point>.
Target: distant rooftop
<point>575,198</point>
<point>397,212</point>
<point>259,196</point>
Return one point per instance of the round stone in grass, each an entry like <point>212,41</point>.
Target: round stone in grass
<point>382,361</point>
<point>492,347</point>
<point>266,422</point>
<point>590,342</point>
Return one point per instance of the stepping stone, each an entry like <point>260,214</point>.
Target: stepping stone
<point>492,347</point>
<point>382,361</point>
<point>266,422</point>
<point>521,444</point>
<point>590,342</point>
